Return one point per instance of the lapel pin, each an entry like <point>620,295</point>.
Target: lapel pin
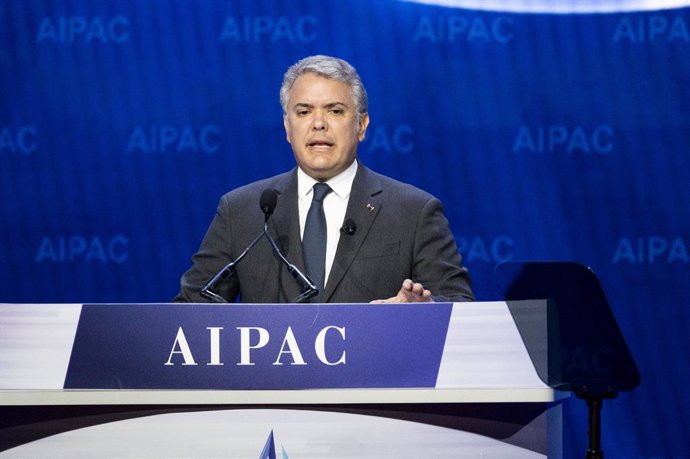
<point>370,207</point>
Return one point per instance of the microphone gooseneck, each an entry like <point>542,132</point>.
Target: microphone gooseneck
<point>307,287</point>
<point>308,290</point>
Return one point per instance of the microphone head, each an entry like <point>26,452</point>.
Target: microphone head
<point>349,227</point>
<point>268,202</point>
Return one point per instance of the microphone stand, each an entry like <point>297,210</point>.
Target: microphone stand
<point>308,290</point>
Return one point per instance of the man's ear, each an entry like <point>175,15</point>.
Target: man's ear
<point>287,131</point>
<point>363,125</point>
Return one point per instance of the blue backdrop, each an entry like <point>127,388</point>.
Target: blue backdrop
<point>548,136</point>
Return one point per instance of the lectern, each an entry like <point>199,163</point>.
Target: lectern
<point>444,380</point>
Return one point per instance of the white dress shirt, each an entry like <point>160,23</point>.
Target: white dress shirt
<point>334,206</point>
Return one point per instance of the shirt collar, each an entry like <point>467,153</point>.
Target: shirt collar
<point>341,184</point>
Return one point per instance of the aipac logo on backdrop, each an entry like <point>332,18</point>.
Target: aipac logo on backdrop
<point>464,28</point>
<point>18,140</point>
<point>390,140</point>
<point>269,29</point>
<point>84,30</point>
<point>559,138</point>
<point>651,250</point>
<point>478,249</point>
<point>78,248</point>
<point>651,28</point>
<point>169,138</point>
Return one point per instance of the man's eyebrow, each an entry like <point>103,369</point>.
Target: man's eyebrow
<point>329,105</point>
<point>336,104</point>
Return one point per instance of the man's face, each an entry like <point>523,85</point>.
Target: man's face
<point>321,125</point>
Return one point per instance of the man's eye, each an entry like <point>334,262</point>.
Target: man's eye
<point>337,111</point>
<point>302,112</point>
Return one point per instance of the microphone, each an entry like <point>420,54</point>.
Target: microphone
<point>308,289</point>
<point>349,227</point>
<point>267,202</point>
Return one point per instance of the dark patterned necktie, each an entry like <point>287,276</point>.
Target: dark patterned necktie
<point>314,240</point>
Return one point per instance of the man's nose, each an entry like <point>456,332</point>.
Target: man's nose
<point>319,122</point>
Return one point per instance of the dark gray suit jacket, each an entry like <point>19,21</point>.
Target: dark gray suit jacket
<point>401,232</point>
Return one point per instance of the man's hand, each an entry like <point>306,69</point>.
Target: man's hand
<point>410,292</point>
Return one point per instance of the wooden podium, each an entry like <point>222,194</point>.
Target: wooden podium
<point>258,381</point>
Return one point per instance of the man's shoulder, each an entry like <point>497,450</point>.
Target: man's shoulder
<point>390,186</point>
<point>251,190</point>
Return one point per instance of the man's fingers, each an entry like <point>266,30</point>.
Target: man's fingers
<point>410,292</point>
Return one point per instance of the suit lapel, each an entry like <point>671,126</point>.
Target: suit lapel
<point>363,207</point>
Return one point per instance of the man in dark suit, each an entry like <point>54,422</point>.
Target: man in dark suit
<point>395,244</point>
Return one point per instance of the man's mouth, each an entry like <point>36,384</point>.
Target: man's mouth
<point>320,144</point>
